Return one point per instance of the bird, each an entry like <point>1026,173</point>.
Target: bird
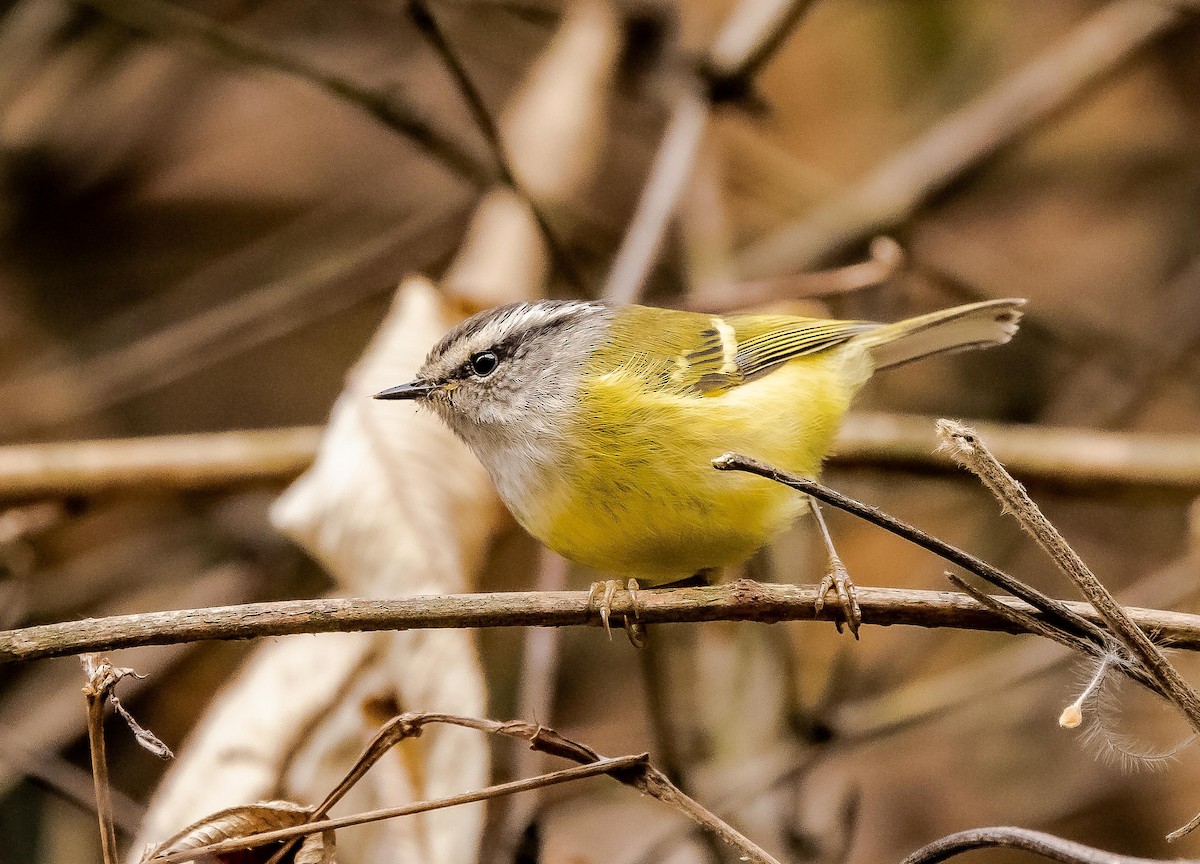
<point>598,423</point>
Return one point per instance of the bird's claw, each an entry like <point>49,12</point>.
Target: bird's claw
<point>633,627</point>
<point>837,578</point>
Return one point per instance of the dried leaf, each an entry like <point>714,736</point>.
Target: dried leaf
<point>555,128</point>
<point>242,822</point>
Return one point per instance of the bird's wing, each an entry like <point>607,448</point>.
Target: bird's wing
<point>709,354</point>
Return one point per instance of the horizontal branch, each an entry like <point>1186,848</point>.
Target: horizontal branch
<point>742,600</point>
<point>219,459</point>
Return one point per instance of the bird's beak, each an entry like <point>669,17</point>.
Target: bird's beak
<point>418,389</point>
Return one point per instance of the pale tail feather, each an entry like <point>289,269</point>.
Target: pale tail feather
<point>975,325</point>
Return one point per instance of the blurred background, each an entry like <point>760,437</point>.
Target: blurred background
<point>206,207</point>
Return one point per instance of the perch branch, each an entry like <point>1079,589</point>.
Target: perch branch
<point>889,194</point>
<point>742,600</point>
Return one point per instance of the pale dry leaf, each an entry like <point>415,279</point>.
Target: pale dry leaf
<point>385,505</point>
<point>245,747</point>
<point>394,505</point>
<point>554,129</point>
<point>243,821</point>
<point>502,254</point>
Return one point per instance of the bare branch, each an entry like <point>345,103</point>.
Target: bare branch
<point>426,20</point>
<point>214,460</point>
<point>742,600</point>
<point>669,173</point>
<point>751,35</point>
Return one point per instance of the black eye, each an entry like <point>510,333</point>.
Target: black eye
<point>484,363</point>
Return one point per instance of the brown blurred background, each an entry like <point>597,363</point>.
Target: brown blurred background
<point>193,238</point>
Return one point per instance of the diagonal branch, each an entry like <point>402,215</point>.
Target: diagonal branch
<point>967,448</point>
<point>888,195</point>
<point>425,19</point>
<point>163,19</point>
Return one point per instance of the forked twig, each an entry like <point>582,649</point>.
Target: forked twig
<point>102,676</point>
<point>168,20</point>
<point>635,771</point>
<point>969,451</point>
<point>1055,610</point>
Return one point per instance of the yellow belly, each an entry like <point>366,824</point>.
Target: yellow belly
<point>640,497</point>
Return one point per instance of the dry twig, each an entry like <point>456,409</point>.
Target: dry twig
<point>634,771</point>
<point>967,448</point>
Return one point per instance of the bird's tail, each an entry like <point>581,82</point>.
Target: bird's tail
<point>975,325</point>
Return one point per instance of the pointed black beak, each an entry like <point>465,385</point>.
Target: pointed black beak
<point>412,390</point>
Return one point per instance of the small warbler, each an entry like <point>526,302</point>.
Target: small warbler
<point>599,423</point>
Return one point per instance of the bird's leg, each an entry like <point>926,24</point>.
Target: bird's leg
<point>633,628</point>
<point>837,578</point>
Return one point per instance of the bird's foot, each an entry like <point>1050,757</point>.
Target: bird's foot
<point>634,629</point>
<point>837,578</point>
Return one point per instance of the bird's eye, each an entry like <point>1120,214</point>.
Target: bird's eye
<point>484,363</point>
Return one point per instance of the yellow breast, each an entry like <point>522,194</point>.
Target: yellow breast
<point>638,495</point>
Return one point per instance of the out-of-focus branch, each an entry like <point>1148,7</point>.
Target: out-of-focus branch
<point>167,462</point>
<point>742,600</point>
<point>218,459</point>
<point>889,194</point>
<point>887,257</point>
<point>166,20</point>
<point>427,22</point>
<point>1057,454</point>
<point>750,37</point>
<point>668,175</point>
<point>753,32</point>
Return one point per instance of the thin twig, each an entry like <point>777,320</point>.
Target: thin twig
<point>633,771</point>
<point>102,676</point>
<point>886,259</point>
<point>217,459</point>
<point>1087,55</point>
<point>426,20</point>
<point>1037,842</point>
<point>742,600</point>
<point>967,448</point>
<point>68,781</point>
<point>1062,614</point>
<point>166,20</point>
<point>594,769</point>
<point>668,175</point>
<point>1055,634</point>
